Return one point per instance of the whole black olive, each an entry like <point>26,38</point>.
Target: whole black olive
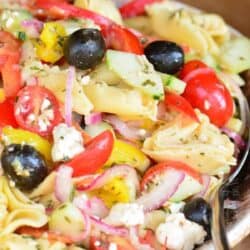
<point>199,211</point>
<point>24,165</point>
<point>85,48</point>
<point>167,57</point>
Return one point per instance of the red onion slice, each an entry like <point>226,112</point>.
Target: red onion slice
<point>161,115</point>
<point>108,229</point>
<point>93,206</point>
<point>196,72</point>
<point>63,183</point>
<point>68,95</point>
<point>161,193</point>
<point>128,132</point>
<point>239,142</point>
<point>206,180</point>
<point>33,27</point>
<point>133,235</point>
<point>93,118</point>
<point>116,171</point>
<point>38,25</point>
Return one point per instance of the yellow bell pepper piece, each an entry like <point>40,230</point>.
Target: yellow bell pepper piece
<point>125,153</point>
<point>113,192</point>
<point>2,95</point>
<point>52,33</point>
<point>46,54</point>
<point>20,136</point>
<point>50,46</point>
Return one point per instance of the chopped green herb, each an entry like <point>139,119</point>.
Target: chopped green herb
<point>21,35</point>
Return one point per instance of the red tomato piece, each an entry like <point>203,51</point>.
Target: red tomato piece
<point>135,7</point>
<point>190,67</point>
<point>119,38</point>
<point>116,36</point>
<point>103,243</point>
<point>10,53</point>
<point>7,117</point>
<point>37,110</point>
<point>39,232</point>
<point>150,239</point>
<point>206,93</point>
<point>160,168</point>
<point>95,155</point>
<point>180,104</point>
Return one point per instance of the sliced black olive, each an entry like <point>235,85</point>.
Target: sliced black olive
<point>167,57</point>
<point>24,165</point>
<point>85,48</point>
<point>199,211</point>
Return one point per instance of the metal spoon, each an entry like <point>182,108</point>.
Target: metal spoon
<point>218,230</point>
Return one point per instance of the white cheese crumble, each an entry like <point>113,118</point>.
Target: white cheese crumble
<point>68,142</point>
<point>112,246</point>
<point>178,233</point>
<point>125,215</point>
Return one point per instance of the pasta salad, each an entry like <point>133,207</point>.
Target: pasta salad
<point>117,121</point>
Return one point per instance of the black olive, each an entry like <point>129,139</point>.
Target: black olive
<point>199,211</point>
<point>24,165</point>
<point>85,48</point>
<point>167,57</point>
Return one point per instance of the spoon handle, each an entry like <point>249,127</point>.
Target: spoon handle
<point>218,224</point>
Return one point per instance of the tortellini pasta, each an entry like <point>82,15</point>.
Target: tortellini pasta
<point>200,145</point>
<point>202,32</point>
<point>120,101</point>
<point>17,210</point>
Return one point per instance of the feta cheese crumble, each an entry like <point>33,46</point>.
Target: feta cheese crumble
<point>68,143</point>
<point>125,215</point>
<point>178,233</point>
<point>112,246</point>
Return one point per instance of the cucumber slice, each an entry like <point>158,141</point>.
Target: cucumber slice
<point>11,20</point>
<point>67,220</point>
<point>136,71</point>
<point>189,187</point>
<point>96,129</point>
<point>235,55</point>
<point>154,219</point>
<point>173,84</point>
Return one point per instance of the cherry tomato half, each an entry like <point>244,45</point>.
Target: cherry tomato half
<point>37,110</point>
<point>190,67</point>
<point>135,7</point>
<point>160,168</point>
<point>180,104</point>
<point>97,152</point>
<point>205,92</point>
<point>10,54</point>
